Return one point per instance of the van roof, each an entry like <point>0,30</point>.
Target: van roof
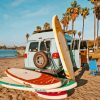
<point>46,35</point>
<point>41,36</point>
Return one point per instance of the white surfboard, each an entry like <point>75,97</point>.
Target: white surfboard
<point>62,48</point>
<point>9,83</point>
<point>67,85</point>
<point>32,78</point>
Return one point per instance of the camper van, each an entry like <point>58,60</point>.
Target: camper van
<point>41,52</point>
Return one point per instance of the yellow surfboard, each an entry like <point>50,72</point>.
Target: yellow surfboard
<point>62,48</point>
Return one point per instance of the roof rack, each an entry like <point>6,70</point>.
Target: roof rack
<point>40,31</point>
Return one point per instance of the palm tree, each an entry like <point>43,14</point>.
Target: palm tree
<point>27,36</point>
<point>65,21</point>
<point>97,12</point>
<point>74,33</point>
<point>46,26</point>
<point>73,11</point>
<point>94,2</point>
<point>38,28</point>
<point>79,34</point>
<point>84,12</point>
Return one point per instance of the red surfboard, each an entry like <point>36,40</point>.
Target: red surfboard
<point>32,78</point>
<point>52,95</point>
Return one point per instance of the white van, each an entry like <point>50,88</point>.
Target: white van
<point>41,53</point>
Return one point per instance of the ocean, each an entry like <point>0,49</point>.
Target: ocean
<point>8,53</point>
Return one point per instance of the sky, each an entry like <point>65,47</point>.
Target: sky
<point>18,17</point>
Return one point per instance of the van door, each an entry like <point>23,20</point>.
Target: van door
<point>76,53</point>
<point>84,52</point>
<point>33,48</point>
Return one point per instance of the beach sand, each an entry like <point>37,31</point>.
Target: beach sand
<point>88,86</point>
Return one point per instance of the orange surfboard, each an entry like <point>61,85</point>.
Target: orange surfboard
<point>62,48</point>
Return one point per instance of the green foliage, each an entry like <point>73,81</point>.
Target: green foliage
<point>79,34</point>
<point>65,20</point>
<point>74,10</point>
<point>94,1</point>
<point>84,12</point>
<point>38,28</point>
<point>46,26</point>
<point>97,11</point>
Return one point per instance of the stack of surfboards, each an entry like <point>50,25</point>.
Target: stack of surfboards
<point>44,85</point>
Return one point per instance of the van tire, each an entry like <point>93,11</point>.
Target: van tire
<point>40,59</point>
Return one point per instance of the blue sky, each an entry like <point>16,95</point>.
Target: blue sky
<point>18,17</point>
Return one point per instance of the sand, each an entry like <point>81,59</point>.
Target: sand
<point>88,86</point>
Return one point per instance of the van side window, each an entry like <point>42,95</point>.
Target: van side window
<point>83,45</point>
<point>33,46</point>
<point>45,46</point>
<point>48,45</point>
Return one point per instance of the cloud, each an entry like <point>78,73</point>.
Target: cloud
<point>36,13</point>
<point>40,12</point>
<point>17,3</point>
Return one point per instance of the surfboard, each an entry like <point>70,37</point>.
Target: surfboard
<point>52,95</point>
<point>9,83</point>
<point>62,48</point>
<point>32,78</point>
<point>66,86</point>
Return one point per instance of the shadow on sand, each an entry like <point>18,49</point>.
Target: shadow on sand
<point>70,92</point>
<point>80,81</point>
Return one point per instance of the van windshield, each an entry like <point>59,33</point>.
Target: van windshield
<point>33,46</point>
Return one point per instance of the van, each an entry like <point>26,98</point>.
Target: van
<point>41,53</point>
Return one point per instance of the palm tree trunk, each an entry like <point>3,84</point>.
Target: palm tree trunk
<point>83,29</point>
<point>72,25</point>
<point>27,36</point>
<point>94,31</point>
<point>97,28</point>
<point>97,31</point>
<point>66,27</point>
<point>74,43</point>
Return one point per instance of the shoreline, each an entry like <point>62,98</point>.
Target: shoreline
<point>12,57</point>
<point>18,52</point>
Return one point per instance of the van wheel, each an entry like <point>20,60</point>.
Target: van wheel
<point>40,59</point>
